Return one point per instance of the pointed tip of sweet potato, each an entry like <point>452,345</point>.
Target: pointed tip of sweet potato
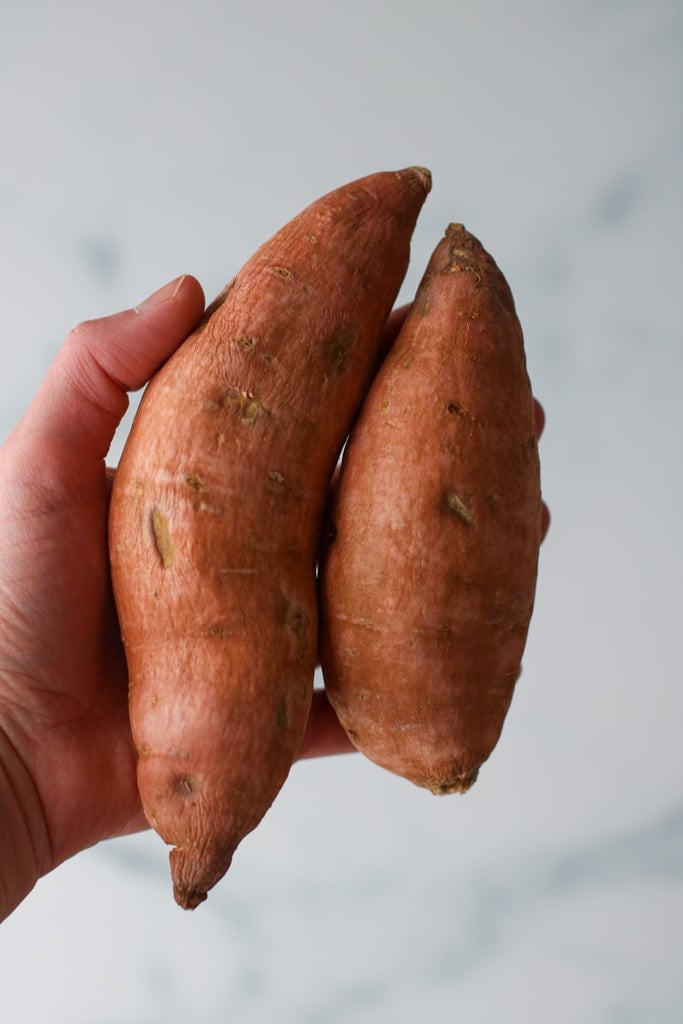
<point>423,174</point>
<point>457,783</point>
<point>195,871</point>
<point>188,899</point>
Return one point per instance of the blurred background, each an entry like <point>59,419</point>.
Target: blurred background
<point>145,139</point>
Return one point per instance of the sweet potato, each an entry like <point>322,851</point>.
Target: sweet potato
<point>216,513</point>
<point>427,584</point>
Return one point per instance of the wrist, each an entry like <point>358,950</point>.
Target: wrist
<point>24,841</point>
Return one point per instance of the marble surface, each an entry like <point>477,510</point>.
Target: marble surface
<point>141,140</point>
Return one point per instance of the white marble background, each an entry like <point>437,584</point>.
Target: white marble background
<point>143,139</point>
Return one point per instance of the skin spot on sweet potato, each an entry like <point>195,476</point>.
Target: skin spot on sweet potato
<point>252,411</point>
<point>460,265</point>
<point>245,343</point>
<point>282,272</point>
<point>338,349</point>
<point>187,786</point>
<point>162,538</point>
<point>455,504</point>
<point>249,406</point>
<point>288,275</point>
<point>276,484</point>
<point>196,482</point>
<point>295,619</point>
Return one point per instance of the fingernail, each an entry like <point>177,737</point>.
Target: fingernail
<point>164,294</point>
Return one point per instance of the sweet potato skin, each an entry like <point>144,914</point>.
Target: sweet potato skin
<point>216,510</point>
<point>427,584</point>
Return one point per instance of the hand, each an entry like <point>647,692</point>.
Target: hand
<point>67,765</point>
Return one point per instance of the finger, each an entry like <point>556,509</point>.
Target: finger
<point>540,425</point>
<point>540,417</point>
<point>84,394</point>
<point>545,520</point>
<point>324,735</point>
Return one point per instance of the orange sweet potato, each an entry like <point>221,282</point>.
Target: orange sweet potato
<point>427,584</point>
<point>216,513</point>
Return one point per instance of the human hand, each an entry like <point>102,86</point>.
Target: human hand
<point>67,765</point>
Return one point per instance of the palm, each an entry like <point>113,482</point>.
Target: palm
<point>62,660</point>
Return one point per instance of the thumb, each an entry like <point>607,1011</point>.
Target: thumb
<point>83,396</point>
